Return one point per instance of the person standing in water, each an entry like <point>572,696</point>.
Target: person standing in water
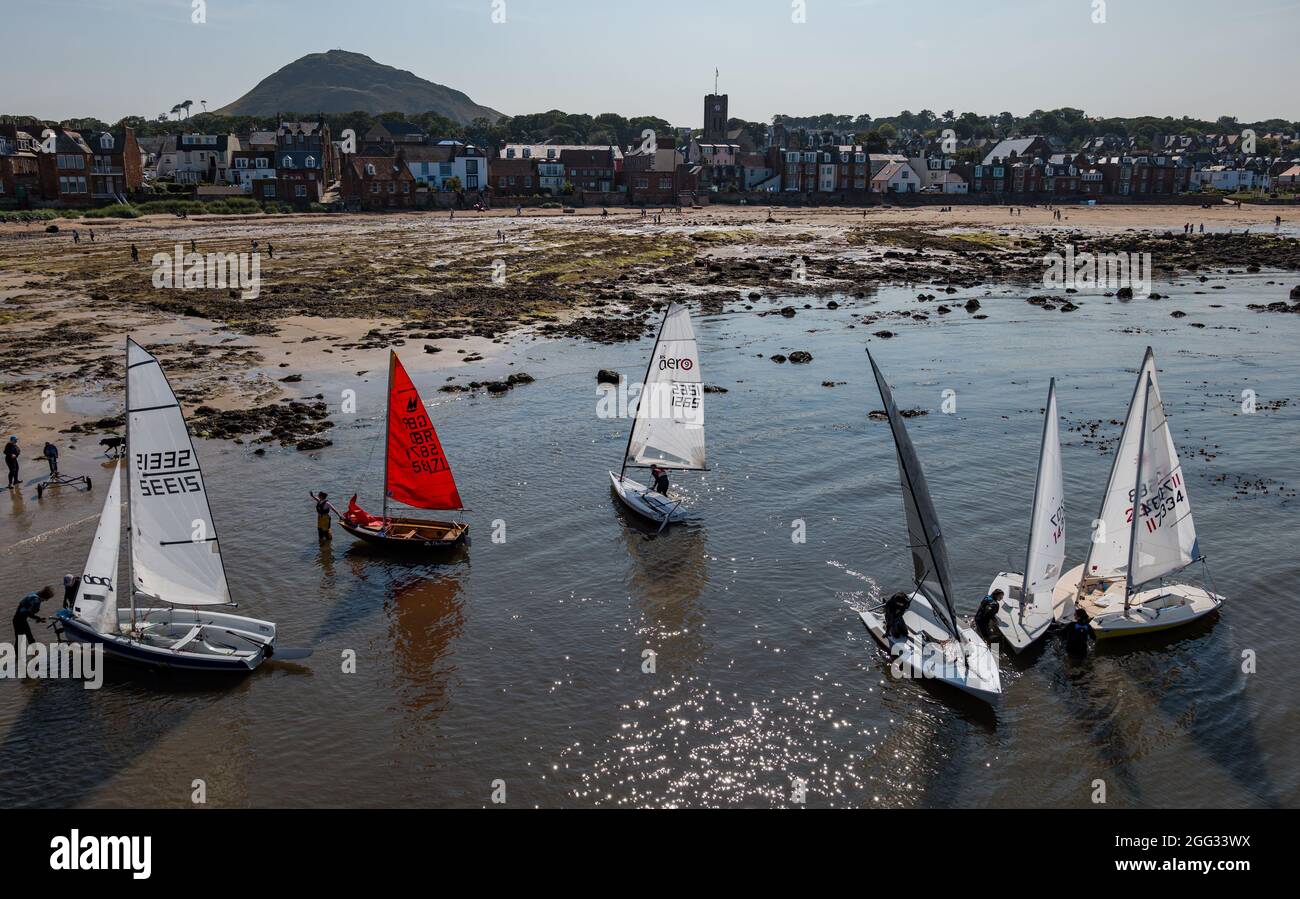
<point>12,453</point>
<point>28,610</point>
<point>1077,634</point>
<point>987,613</point>
<point>324,524</point>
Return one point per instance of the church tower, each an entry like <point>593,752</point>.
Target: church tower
<point>715,119</point>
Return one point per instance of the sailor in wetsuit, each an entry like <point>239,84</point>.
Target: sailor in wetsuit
<point>1077,634</point>
<point>987,613</point>
<point>661,479</point>
<point>895,608</point>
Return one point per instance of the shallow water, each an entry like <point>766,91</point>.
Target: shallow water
<point>522,662</point>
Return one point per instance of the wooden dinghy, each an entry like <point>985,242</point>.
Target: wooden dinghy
<point>416,474</point>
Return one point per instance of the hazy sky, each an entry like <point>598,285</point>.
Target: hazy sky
<point>1204,58</point>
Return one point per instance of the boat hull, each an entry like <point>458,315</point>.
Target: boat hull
<point>1160,608</point>
<point>1019,628</point>
<point>930,654</point>
<point>412,535</point>
<point>242,643</point>
<point>645,502</point>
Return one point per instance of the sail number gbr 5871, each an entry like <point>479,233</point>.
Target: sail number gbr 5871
<point>423,452</point>
<point>167,473</point>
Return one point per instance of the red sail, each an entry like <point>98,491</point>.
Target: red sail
<point>418,472</point>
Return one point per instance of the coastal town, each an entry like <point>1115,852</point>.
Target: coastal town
<point>396,164</point>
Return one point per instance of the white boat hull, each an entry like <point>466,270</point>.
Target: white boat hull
<point>930,653</point>
<point>1157,609</point>
<point>188,639</point>
<point>1020,628</point>
<point>647,503</point>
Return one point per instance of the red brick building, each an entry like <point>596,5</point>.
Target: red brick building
<point>20,172</point>
<point>65,173</point>
<point>590,169</point>
<point>116,171</point>
<point>513,177</point>
<point>373,183</point>
<point>660,178</point>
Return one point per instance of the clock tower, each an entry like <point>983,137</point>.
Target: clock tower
<point>715,119</point>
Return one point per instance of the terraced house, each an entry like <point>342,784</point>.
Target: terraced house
<point>374,183</point>
<point>304,161</point>
<point>65,173</point>
<point>20,173</point>
<point>117,169</point>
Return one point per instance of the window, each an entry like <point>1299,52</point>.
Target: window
<point>106,141</point>
<point>392,187</point>
<point>374,187</point>
<point>268,190</point>
<point>311,162</point>
<point>444,169</point>
<point>471,166</point>
<point>241,163</point>
<point>300,190</point>
<point>510,152</point>
<point>370,169</point>
<point>642,183</point>
<point>71,161</point>
<point>406,187</point>
<point>259,163</point>
<point>471,181</point>
<point>287,162</point>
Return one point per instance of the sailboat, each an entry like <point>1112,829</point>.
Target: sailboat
<point>1138,544</point>
<point>175,558</point>
<point>938,646</point>
<point>668,430</point>
<point>416,474</point>
<point>1026,611</point>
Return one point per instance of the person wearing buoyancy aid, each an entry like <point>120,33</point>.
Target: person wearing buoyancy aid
<point>987,613</point>
<point>895,608</point>
<point>1077,633</point>
<point>661,479</point>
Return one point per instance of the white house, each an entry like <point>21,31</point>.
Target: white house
<point>949,183</point>
<point>1220,177</point>
<point>199,158</point>
<point>896,178</point>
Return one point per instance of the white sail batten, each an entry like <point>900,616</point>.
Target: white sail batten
<point>1163,532</point>
<point>96,602</point>
<point>175,555</point>
<point>929,552</point>
<point>1045,558</point>
<point>1108,552</point>
<point>669,425</point>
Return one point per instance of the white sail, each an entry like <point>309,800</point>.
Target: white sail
<point>1163,533</point>
<point>669,426</point>
<point>1045,559</point>
<point>96,602</point>
<point>1109,550</point>
<point>175,555</point>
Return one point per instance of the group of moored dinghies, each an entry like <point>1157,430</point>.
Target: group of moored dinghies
<point>1144,532</point>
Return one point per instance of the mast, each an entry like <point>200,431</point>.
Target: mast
<point>1137,498</point>
<point>130,534</point>
<point>388,400</point>
<point>1114,467</point>
<point>1038,486</point>
<point>649,366</point>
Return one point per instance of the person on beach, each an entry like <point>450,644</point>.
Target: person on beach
<point>270,249</point>
<point>28,610</point>
<point>987,613</point>
<point>76,238</point>
<point>895,608</point>
<point>194,248</point>
<point>519,210</point>
<point>324,524</point>
<point>660,476</point>
<point>1077,634</point>
<point>92,234</point>
<point>12,452</point>
<point>51,454</point>
<point>135,253</point>
<point>70,587</point>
